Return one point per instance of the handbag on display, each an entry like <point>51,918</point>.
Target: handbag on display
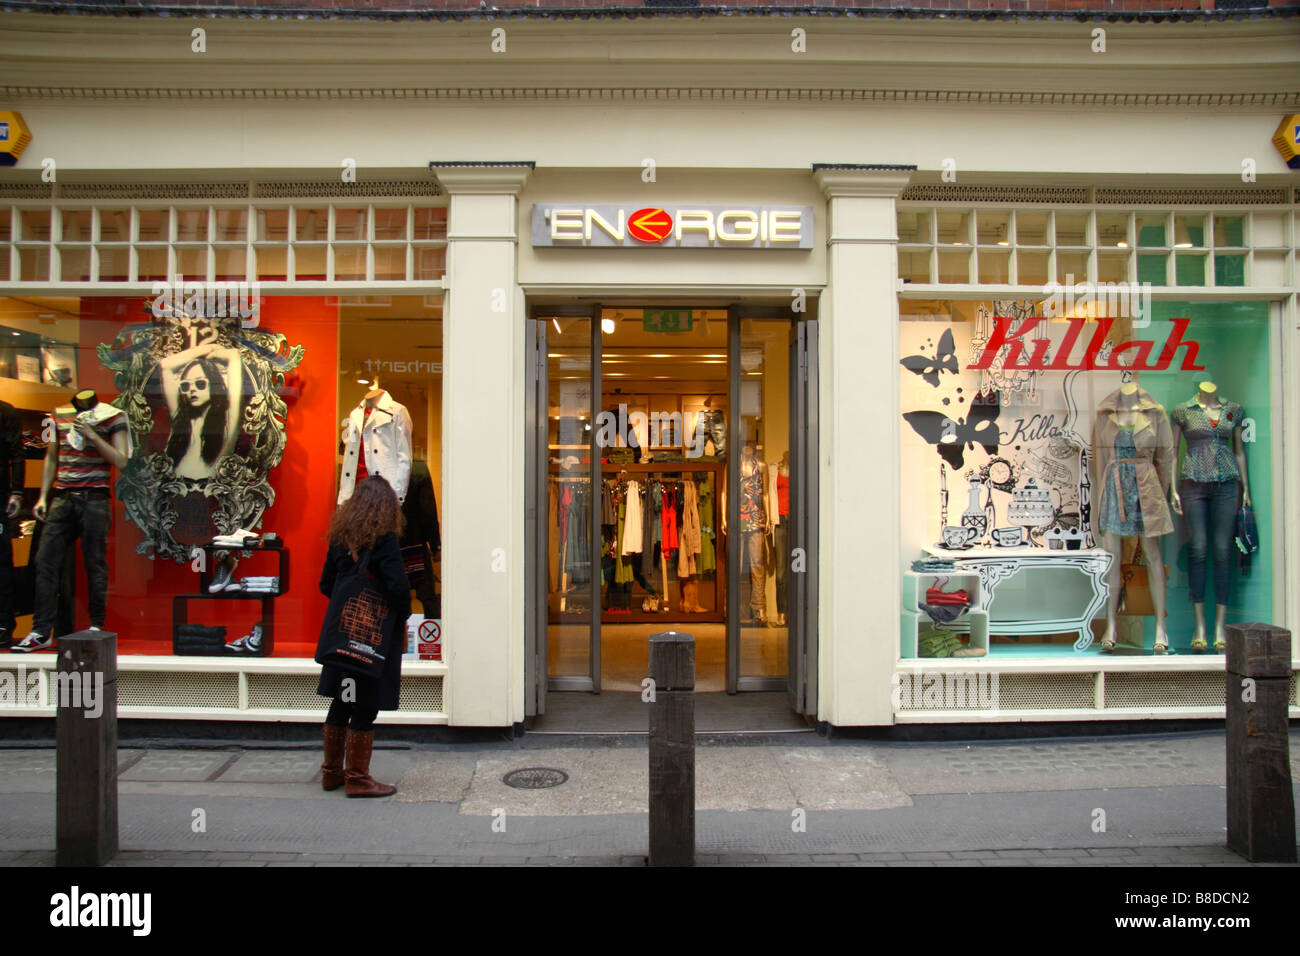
<point>1135,586</point>
<point>358,624</point>
<point>1247,537</point>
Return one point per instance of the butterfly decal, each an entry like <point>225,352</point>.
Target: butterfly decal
<point>954,436</point>
<point>945,357</point>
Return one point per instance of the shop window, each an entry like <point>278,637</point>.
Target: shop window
<point>154,225</point>
<point>192,261</point>
<point>914,265</point>
<point>350,224</point>
<point>1112,230</point>
<point>1112,266</point>
<point>1229,269</point>
<point>390,223</point>
<point>430,222</point>
<point>1071,266</point>
<point>76,225</point>
<point>230,263</point>
<point>272,263</point>
<point>309,261</point>
<point>231,225</point>
<point>278,473</point>
<point>994,266</point>
<point>1031,229</point>
<point>914,227</point>
<point>1229,232</point>
<point>311,224</point>
<point>1031,267</point>
<point>1031,477</point>
<point>191,225</point>
<point>35,225</point>
<point>6,229</point>
<point>273,225</point>
<point>954,267</point>
<point>993,228</point>
<point>114,263</point>
<point>954,228</point>
<point>151,263</point>
<point>430,263</point>
<point>390,261</point>
<point>1071,229</point>
<point>34,263</point>
<point>1151,230</point>
<point>1189,269</point>
<point>115,225</point>
<point>74,263</point>
<point>349,263</point>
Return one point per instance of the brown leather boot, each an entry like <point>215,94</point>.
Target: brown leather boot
<point>331,771</point>
<point>359,783</point>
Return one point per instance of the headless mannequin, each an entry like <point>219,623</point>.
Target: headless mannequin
<point>1126,415</point>
<point>1207,396</point>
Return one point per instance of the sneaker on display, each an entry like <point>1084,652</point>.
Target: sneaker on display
<point>221,576</point>
<point>250,643</point>
<point>35,641</point>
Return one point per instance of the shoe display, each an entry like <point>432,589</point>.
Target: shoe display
<point>221,576</point>
<point>250,643</point>
<point>35,641</point>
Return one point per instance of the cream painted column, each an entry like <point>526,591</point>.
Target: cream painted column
<point>859,564</point>
<point>482,448</point>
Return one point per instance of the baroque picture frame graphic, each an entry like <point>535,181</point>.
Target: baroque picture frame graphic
<point>238,480</point>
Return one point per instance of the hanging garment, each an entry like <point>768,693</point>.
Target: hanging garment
<point>632,523</point>
<point>622,566</point>
<point>690,532</point>
<point>553,522</point>
<point>653,533</point>
<point>669,542</point>
<point>708,559</point>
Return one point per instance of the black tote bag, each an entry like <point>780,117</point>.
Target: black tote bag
<point>357,624</point>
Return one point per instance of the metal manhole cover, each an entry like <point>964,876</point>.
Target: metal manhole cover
<point>534,778</point>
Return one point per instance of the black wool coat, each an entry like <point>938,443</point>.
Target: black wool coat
<point>390,577</point>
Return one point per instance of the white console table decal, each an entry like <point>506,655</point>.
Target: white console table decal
<point>995,565</point>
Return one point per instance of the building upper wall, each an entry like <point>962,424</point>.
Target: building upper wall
<point>73,54</point>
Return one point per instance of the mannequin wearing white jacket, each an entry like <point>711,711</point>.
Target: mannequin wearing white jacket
<point>386,435</point>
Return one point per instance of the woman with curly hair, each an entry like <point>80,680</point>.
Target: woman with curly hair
<point>364,533</point>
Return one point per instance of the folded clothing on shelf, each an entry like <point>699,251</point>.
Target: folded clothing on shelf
<point>196,639</point>
<point>938,644</point>
<point>933,565</point>
<point>957,598</point>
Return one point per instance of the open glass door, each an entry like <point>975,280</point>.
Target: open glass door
<point>766,503</point>
<point>798,505</point>
<point>565,579</point>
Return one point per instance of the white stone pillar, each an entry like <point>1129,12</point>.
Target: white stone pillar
<point>859,565</point>
<point>483,466</point>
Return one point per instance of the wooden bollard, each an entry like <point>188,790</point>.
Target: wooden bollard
<point>672,749</point>
<point>1261,807</point>
<point>85,693</point>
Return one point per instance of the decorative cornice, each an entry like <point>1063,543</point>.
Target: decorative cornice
<point>1279,99</point>
<point>373,12</point>
<point>484,177</point>
<point>871,182</point>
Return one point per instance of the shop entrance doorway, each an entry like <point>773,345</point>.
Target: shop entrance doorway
<point>669,451</point>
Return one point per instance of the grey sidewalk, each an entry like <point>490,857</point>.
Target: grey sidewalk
<point>807,803</point>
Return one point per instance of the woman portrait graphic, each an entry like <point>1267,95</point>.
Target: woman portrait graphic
<point>202,387</point>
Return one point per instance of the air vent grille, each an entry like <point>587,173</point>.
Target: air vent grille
<point>1031,194</point>
<point>1191,197</point>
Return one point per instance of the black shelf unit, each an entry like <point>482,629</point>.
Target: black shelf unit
<point>180,603</point>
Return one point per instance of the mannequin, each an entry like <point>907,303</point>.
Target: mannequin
<point>75,502</point>
<point>1209,484</point>
<point>753,531</point>
<point>1133,456</point>
<point>710,426</point>
<point>779,512</point>
<point>385,425</point>
<point>12,477</point>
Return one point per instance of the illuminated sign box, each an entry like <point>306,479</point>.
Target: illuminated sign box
<point>679,225</point>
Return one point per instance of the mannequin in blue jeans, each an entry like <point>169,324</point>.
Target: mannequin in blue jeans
<point>1213,477</point>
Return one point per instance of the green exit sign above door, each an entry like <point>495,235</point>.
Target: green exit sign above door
<point>666,320</point>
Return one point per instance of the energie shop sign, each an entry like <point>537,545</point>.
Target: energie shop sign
<point>620,225</point>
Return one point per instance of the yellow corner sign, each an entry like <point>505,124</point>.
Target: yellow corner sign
<point>14,137</point>
<point>1287,140</point>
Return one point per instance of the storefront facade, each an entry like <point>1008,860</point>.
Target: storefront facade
<point>405,255</point>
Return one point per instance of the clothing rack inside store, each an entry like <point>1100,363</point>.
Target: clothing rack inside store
<point>646,472</point>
